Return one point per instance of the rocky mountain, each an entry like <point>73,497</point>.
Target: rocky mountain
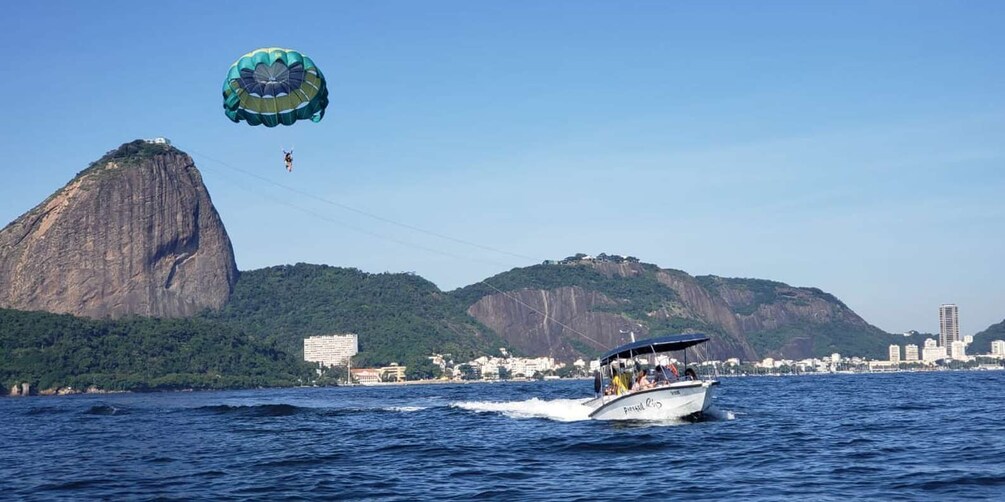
<point>133,234</point>
<point>582,306</point>
<point>137,234</point>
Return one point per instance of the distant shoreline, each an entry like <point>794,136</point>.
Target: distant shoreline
<point>92,391</point>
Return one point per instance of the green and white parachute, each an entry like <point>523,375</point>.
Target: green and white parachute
<point>273,86</point>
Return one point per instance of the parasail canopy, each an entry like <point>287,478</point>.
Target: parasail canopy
<point>273,86</point>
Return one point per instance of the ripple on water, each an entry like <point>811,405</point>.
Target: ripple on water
<point>104,409</point>
<point>827,437</point>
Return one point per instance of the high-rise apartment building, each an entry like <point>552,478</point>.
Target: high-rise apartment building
<point>958,350</point>
<point>998,348</point>
<point>895,353</point>
<point>911,352</point>
<point>949,326</point>
<point>932,352</point>
<point>330,350</point>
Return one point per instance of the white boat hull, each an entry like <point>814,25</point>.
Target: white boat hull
<point>674,401</point>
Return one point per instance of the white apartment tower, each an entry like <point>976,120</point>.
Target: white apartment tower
<point>895,353</point>
<point>911,352</point>
<point>330,350</point>
<point>932,352</point>
<point>949,326</point>
<point>998,348</point>
<point>958,350</point>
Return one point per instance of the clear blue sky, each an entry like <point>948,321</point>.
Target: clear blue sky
<point>858,147</point>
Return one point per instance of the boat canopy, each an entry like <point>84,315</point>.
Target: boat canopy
<point>665,343</point>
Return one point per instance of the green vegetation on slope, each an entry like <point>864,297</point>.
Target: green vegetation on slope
<point>824,339</point>
<point>130,154</point>
<point>399,318</point>
<point>637,296</point>
<point>982,340</point>
<point>51,350</point>
<point>763,292</point>
<point>257,339</point>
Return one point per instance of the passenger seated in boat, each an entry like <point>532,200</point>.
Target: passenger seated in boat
<point>619,385</point>
<point>661,376</point>
<point>641,382</point>
<point>612,387</point>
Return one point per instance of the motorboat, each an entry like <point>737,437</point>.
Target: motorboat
<point>673,394</point>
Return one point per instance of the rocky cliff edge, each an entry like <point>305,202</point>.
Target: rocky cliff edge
<point>133,234</point>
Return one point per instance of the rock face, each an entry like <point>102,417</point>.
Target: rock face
<point>134,234</point>
<point>745,318</point>
<point>553,321</point>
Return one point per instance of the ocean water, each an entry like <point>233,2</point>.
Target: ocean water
<point>937,436</point>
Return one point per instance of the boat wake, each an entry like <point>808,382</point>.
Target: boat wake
<point>404,409</point>
<point>717,414</point>
<point>560,410</point>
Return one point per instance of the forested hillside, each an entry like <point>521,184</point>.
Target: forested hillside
<point>575,308</point>
<point>982,340</point>
<point>53,350</point>
<point>399,318</point>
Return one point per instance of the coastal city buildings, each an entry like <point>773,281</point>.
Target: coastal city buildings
<point>392,373</point>
<point>910,353</point>
<point>932,351</point>
<point>998,348</point>
<point>949,325</point>
<point>366,376</point>
<point>958,350</point>
<point>910,358</point>
<point>895,353</point>
<point>330,350</point>
<point>948,351</point>
<point>387,374</point>
<point>489,368</point>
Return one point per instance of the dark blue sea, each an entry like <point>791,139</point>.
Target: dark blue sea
<point>906,436</point>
